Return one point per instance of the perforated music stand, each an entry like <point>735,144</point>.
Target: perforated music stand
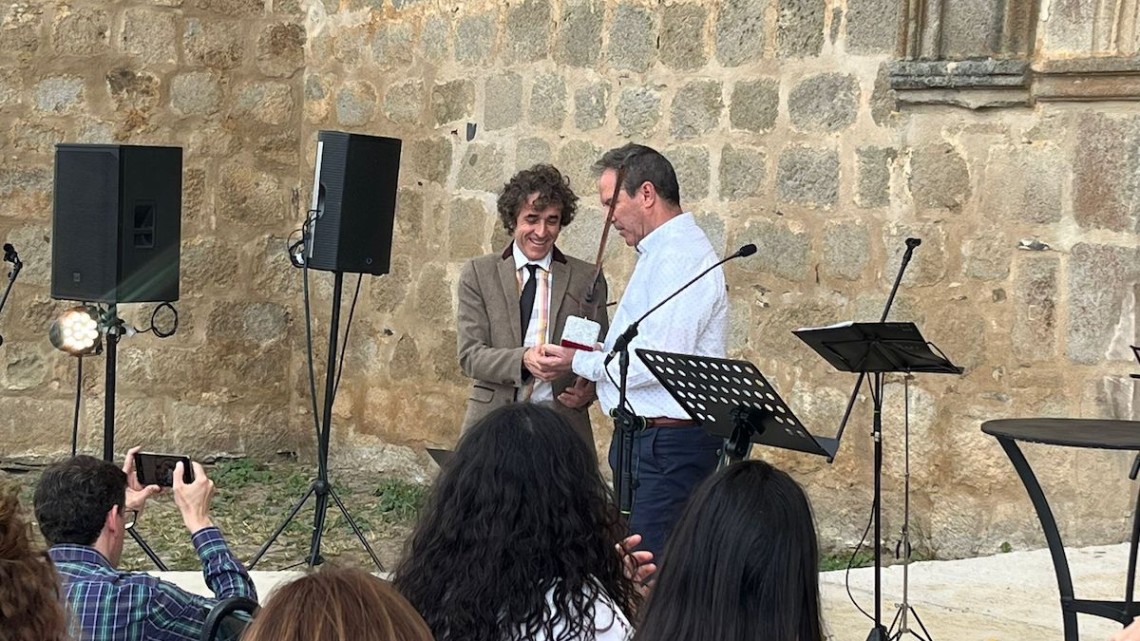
<point>732,399</point>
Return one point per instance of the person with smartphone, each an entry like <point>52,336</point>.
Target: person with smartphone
<point>84,507</point>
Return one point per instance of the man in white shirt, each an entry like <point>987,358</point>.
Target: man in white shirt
<point>673,454</point>
<point>514,301</point>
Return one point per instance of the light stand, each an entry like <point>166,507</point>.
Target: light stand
<point>321,488</point>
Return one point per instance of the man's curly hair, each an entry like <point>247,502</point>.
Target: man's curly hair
<point>553,190</point>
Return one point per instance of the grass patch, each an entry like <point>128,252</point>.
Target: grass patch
<point>839,560</point>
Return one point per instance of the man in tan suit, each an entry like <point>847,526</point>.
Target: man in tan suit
<point>494,291</point>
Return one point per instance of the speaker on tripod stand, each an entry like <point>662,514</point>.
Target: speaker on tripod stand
<point>348,229</point>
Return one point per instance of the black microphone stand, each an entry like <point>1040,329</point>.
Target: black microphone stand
<point>879,632</point>
<point>10,256</point>
<point>626,421</point>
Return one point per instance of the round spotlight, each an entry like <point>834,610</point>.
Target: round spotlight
<point>76,331</point>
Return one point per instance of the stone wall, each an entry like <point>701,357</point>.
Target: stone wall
<point>780,118</point>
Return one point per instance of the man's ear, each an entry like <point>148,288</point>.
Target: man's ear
<point>110,518</point>
<point>648,194</point>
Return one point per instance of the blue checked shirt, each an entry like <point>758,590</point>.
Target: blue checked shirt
<point>109,605</point>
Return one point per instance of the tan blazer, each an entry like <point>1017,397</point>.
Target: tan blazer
<point>489,337</point>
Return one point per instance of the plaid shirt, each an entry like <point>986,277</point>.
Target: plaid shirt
<point>108,605</point>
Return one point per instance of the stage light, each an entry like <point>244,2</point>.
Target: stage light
<point>76,331</point>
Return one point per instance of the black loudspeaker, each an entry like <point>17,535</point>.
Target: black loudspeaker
<point>354,195</point>
<point>116,228</point>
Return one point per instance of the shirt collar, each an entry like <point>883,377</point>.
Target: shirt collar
<point>71,553</point>
<point>677,227</point>
<point>521,259</point>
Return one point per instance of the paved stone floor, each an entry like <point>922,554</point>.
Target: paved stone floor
<point>1008,597</point>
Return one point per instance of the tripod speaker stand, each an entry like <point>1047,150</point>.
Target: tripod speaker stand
<point>321,488</point>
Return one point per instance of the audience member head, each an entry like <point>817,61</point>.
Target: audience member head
<point>642,165</point>
<point>30,606</point>
<point>520,510</point>
<point>80,501</point>
<point>337,604</point>
<point>741,565</point>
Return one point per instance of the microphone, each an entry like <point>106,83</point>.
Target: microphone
<point>630,332</point>
<point>10,255</point>
<point>913,242</point>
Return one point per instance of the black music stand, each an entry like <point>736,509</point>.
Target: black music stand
<point>440,456</point>
<point>878,349</point>
<point>732,400</point>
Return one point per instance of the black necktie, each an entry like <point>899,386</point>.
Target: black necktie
<point>526,301</point>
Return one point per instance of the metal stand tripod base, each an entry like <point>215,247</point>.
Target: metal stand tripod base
<point>878,633</point>
<point>322,490</point>
<point>904,612</point>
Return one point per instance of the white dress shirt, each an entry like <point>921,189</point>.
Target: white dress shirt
<point>695,322</point>
<point>537,332</point>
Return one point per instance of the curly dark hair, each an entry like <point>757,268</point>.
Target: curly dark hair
<point>553,190</point>
<point>519,511</point>
<point>73,497</point>
<point>30,606</point>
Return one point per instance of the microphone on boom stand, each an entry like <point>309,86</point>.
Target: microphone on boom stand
<point>624,419</point>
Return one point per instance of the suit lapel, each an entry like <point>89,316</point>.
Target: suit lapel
<point>508,279</point>
<point>560,273</point>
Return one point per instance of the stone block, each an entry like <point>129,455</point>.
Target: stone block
<point>989,256</point>
<point>696,109</point>
<point>433,295</point>
<point>824,103</point>
<point>873,171</point>
<point>579,39</point>
<point>1035,292</point>
<point>780,250</point>
<point>692,167</point>
<point>740,31</point>
<point>133,91</point>
<point>405,363</point>
<point>1100,277</point>
<point>939,178</point>
<point>250,197</point>
<point>36,138</point>
<point>435,38</point>
<point>20,24</point>
<point>452,101</point>
<point>928,267</point>
<point>350,45</point>
<point>52,419</point>
<point>207,265</point>
<point>682,44</point>
<point>482,168</point>
<point>633,38</point>
<point>251,323</point>
<point>11,88</point>
<point>466,228</point>
<point>527,31</point>
<point>872,26</point>
<point>236,8</point>
<point>217,44</point>
<point>883,98</point>
<point>808,176</point>
<point>150,35</point>
<point>196,93</point>
<point>404,102</point>
<point>389,293</point>
<point>355,103</point>
<point>81,31</point>
<point>575,160</point>
<point>846,250</point>
<point>1106,173</point>
<point>755,105</point>
<point>532,151</point>
<point>267,102</point>
<point>638,111</point>
<point>800,28</point>
<point>590,105</point>
<point>502,106</point>
<point>1025,183</point>
<point>392,45</point>
<point>475,38</point>
<point>430,159</point>
<point>281,49</point>
<point>548,101</point>
<point>743,171</point>
<point>27,365</point>
<point>409,216</point>
<point>59,94</point>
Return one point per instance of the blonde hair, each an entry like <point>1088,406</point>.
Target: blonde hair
<point>338,604</point>
<point>30,606</point>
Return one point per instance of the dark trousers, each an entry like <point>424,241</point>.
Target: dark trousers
<point>668,464</point>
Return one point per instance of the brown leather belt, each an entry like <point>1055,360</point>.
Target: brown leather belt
<point>664,421</point>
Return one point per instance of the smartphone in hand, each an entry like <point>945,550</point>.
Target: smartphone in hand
<point>158,469</point>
